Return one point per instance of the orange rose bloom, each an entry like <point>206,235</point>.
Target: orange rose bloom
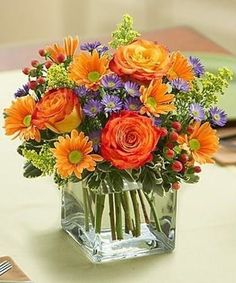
<point>128,140</point>
<point>59,110</point>
<point>141,60</point>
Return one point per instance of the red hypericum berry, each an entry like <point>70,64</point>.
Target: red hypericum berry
<point>176,125</point>
<point>35,63</point>
<point>32,84</point>
<point>26,70</point>
<point>169,153</point>
<point>177,166</point>
<point>170,145</point>
<point>163,132</point>
<point>189,130</point>
<point>173,136</point>
<point>197,169</point>
<point>60,58</point>
<point>41,80</point>
<point>42,52</point>
<point>184,157</point>
<point>48,64</point>
<point>175,186</point>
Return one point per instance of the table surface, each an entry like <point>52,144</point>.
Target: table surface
<point>31,234</point>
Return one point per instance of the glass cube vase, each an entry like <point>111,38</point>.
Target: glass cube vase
<point>120,225</point>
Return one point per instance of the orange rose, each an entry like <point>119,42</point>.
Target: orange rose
<point>59,110</point>
<point>128,140</point>
<point>141,60</point>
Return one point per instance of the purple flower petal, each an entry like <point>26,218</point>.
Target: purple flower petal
<point>197,112</point>
<point>90,46</point>
<point>218,116</point>
<point>95,138</point>
<point>180,85</point>
<point>22,91</point>
<point>92,108</point>
<point>112,103</point>
<point>132,88</point>
<point>111,81</point>
<point>132,103</point>
<point>197,66</point>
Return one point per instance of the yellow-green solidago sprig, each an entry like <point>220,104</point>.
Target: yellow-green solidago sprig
<point>44,160</point>
<point>124,34</point>
<point>57,76</point>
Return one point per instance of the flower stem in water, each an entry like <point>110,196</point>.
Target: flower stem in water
<point>112,216</point>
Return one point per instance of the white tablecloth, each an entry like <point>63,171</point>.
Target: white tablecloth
<point>30,226</point>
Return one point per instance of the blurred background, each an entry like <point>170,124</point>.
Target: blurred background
<point>30,21</point>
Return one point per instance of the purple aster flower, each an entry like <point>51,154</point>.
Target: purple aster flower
<point>132,103</point>
<point>102,49</point>
<point>157,121</point>
<point>112,103</point>
<point>197,66</point>
<point>81,91</point>
<point>180,85</point>
<point>22,91</point>
<point>95,138</point>
<point>111,81</point>
<point>90,46</point>
<point>197,112</point>
<point>132,88</point>
<point>92,108</point>
<point>218,116</point>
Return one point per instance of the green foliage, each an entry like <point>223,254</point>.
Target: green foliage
<point>30,171</point>
<point>42,160</point>
<point>125,33</point>
<point>57,76</point>
<point>205,90</point>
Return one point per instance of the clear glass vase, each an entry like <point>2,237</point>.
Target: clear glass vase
<point>119,225</point>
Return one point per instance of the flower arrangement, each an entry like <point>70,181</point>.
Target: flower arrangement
<point>136,113</point>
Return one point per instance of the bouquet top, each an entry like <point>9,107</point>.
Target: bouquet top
<point>137,113</point>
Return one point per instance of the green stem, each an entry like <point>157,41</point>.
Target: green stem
<point>126,207</point>
<point>99,206</point>
<point>156,218</point>
<point>89,198</point>
<point>133,195</point>
<point>86,212</point>
<point>143,206</point>
<point>112,216</point>
<point>118,216</point>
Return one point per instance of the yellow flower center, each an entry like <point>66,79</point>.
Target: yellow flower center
<point>27,120</point>
<point>152,102</point>
<point>94,76</point>
<point>194,144</point>
<point>75,156</point>
<point>132,107</point>
<point>111,84</point>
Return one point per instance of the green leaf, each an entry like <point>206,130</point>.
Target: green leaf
<point>191,179</point>
<point>149,181</point>
<point>116,181</point>
<point>31,171</point>
<point>94,182</point>
<point>159,190</point>
<point>136,173</point>
<point>104,167</point>
<point>126,174</point>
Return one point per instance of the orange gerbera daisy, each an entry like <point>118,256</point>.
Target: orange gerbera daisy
<point>202,143</point>
<point>68,49</point>
<point>155,99</point>
<point>72,154</point>
<point>19,119</point>
<point>180,68</point>
<point>88,69</point>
